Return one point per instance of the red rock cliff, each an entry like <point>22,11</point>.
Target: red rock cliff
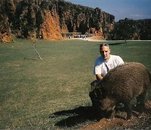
<point>50,28</point>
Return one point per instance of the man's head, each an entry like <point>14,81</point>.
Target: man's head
<point>105,51</point>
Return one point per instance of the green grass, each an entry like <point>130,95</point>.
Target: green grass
<point>31,89</point>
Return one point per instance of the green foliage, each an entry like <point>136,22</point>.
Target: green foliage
<point>132,29</point>
<point>31,89</point>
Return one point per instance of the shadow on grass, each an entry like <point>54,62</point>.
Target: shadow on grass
<point>86,114</point>
<point>76,116</point>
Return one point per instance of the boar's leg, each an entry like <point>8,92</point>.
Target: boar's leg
<point>112,113</point>
<point>128,108</point>
<point>141,102</point>
<point>109,114</point>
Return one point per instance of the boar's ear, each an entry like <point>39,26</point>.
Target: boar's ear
<point>95,83</point>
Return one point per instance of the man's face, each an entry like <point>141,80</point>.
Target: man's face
<point>105,52</point>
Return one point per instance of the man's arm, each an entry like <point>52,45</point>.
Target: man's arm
<point>99,77</point>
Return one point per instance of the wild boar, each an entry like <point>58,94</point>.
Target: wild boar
<point>121,85</point>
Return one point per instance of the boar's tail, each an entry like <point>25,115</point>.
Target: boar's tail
<point>150,75</point>
<point>149,72</point>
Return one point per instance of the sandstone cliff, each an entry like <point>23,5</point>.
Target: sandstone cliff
<point>50,19</point>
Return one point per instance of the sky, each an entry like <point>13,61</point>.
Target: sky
<point>121,9</point>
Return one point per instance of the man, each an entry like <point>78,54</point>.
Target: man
<point>106,61</point>
<point>103,64</point>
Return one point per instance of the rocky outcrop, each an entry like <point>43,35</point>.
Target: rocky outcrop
<point>51,19</point>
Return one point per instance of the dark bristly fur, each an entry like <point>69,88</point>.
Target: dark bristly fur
<point>122,85</point>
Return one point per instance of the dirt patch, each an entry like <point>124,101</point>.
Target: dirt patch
<point>85,118</point>
<point>138,121</point>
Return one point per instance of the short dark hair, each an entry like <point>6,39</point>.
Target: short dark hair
<point>104,44</point>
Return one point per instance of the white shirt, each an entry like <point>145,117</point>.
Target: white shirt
<point>101,66</point>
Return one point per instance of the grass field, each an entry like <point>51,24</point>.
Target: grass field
<point>47,94</point>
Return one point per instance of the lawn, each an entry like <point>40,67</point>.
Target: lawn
<point>46,94</point>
